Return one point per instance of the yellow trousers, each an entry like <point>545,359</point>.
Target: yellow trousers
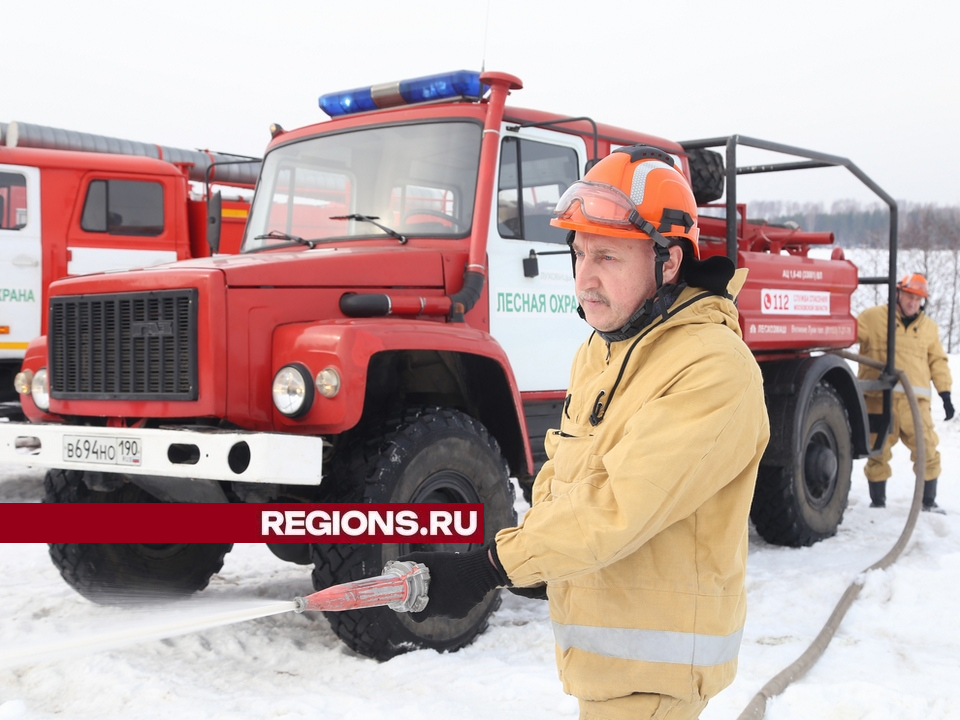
<point>878,466</point>
<point>641,706</point>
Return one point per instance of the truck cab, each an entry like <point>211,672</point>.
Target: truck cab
<point>73,204</point>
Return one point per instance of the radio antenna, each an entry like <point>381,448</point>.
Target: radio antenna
<point>486,32</point>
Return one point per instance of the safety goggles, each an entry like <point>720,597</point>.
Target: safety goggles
<point>599,203</point>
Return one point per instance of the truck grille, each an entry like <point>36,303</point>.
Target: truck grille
<point>125,346</point>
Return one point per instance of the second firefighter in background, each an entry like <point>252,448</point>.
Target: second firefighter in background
<point>920,355</point>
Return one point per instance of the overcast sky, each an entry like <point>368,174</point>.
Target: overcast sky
<point>874,81</point>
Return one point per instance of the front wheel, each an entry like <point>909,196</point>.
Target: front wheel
<point>114,573</point>
<point>434,456</point>
<point>802,501</point>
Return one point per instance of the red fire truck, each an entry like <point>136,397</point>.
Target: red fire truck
<point>73,203</point>
<point>398,327</point>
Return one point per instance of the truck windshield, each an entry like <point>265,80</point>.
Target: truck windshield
<point>418,180</point>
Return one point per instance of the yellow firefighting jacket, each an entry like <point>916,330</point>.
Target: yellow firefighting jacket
<point>639,523</point>
<point>919,351</point>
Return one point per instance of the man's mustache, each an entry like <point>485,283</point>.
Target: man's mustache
<point>592,296</point>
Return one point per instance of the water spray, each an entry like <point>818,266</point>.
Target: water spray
<point>140,628</point>
<point>402,587</point>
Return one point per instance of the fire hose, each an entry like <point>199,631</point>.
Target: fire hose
<point>757,706</point>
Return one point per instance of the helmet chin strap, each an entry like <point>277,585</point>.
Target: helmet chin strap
<point>661,256</point>
<point>658,304</point>
<point>661,247</point>
<point>663,296</point>
<point>651,308</point>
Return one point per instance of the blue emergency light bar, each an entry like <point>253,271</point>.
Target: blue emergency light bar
<point>460,83</point>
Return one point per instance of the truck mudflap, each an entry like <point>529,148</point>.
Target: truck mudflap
<point>227,455</point>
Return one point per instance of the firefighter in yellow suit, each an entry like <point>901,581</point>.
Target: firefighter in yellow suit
<point>637,535</point>
<point>920,355</point>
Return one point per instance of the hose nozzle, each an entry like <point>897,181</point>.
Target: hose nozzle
<point>402,587</point>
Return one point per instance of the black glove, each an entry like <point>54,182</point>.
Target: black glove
<point>534,592</point>
<point>947,405</point>
<point>458,581</point>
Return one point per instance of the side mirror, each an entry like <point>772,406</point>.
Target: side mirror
<point>214,220</point>
<point>531,268</point>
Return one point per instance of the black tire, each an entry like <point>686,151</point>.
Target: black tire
<point>116,573</point>
<point>8,371</point>
<point>297,553</point>
<point>434,455</point>
<point>706,175</point>
<point>803,502</point>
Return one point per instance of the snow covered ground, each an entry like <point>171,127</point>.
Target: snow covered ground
<point>896,655</point>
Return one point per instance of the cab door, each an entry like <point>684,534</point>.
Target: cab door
<point>125,222</point>
<point>21,269</point>
<point>533,305</point>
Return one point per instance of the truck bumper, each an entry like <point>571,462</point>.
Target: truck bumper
<point>234,456</point>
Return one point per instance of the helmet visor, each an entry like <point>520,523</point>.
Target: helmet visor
<point>599,203</point>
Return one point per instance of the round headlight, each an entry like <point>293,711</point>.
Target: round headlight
<point>292,390</point>
<point>40,389</point>
<point>23,382</point>
<point>328,382</point>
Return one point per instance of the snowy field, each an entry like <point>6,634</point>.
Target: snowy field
<point>896,655</point>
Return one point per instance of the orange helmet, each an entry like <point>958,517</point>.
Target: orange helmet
<point>635,192</point>
<point>916,284</point>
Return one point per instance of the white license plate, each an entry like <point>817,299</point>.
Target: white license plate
<point>105,450</point>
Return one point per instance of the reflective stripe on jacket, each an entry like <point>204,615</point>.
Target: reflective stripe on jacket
<point>919,352</point>
<point>650,645</point>
<point>639,523</point>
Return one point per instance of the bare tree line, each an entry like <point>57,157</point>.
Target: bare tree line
<point>928,243</point>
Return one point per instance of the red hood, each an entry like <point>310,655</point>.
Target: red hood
<point>353,267</point>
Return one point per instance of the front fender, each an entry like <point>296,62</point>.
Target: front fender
<point>789,385</point>
<point>348,346</point>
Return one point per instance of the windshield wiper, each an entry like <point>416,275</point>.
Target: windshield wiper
<point>278,235</point>
<point>372,219</point>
